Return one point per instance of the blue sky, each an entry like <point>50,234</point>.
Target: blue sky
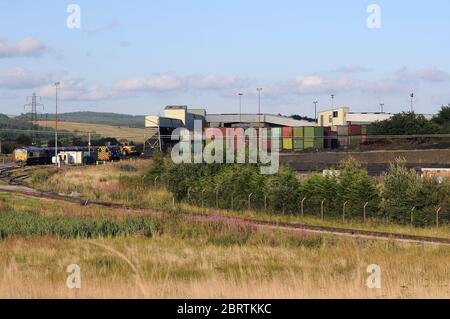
<point>138,56</point>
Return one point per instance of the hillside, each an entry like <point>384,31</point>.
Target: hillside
<point>119,132</point>
<point>113,119</point>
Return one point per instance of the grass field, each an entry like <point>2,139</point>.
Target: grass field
<point>159,253</point>
<point>186,259</point>
<point>102,183</point>
<point>132,134</point>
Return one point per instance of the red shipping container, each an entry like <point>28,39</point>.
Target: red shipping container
<point>354,130</point>
<point>211,133</point>
<point>267,145</point>
<point>287,132</point>
<point>224,131</point>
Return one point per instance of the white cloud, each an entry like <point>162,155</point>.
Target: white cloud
<point>427,75</point>
<point>79,90</point>
<point>401,80</point>
<point>27,47</point>
<point>215,82</point>
<point>158,83</point>
<point>167,82</point>
<point>354,68</point>
<point>20,78</point>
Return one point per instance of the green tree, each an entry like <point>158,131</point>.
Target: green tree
<point>443,117</point>
<point>406,123</point>
<point>283,191</point>
<point>316,188</point>
<point>400,191</point>
<point>356,188</point>
<point>237,182</point>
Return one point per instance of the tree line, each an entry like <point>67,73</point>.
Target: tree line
<point>400,195</point>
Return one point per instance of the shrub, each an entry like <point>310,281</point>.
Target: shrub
<point>357,188</point>
<point>237,182</point>
<point>401,187</point>
<point>39,176</point>
<point>283,191</point>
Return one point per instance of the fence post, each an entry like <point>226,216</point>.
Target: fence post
<point>302,206</point>
<point>156,178</point>
<point>412,216</point>
<point>189,194</point>
<point>265,203</point>
<point>250,201</point>
<point>438,210</point>
<point>365,208</point>
<point>321,209</point>
<point>343,211</point>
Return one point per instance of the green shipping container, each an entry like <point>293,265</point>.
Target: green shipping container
<point>276,134</point>
<point>309,143</point>
<point>313,137</point>
<point>318,137</point>
<point>298,144</point>
<point>364,130</point>
<point>309,131</point>
<point>298,132</point>
<point>355,140</point>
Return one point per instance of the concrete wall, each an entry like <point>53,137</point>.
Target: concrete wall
<point>375,162</point>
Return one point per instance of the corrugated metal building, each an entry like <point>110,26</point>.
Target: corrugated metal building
<point>343,116</point>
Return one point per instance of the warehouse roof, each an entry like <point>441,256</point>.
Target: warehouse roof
<point>277,120</point>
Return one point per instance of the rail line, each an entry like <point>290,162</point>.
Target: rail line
<point>15,186</point>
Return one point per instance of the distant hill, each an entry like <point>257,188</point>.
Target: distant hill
<point>119,132</point>
<point>113,119</point>
<point>16,123</point>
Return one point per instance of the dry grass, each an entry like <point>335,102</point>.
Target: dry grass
<point>183,264</point>
<point>174,268</point>
<point>132,134</point>
<point>102,183</point>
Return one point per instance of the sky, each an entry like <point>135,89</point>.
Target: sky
<point>136,57</point>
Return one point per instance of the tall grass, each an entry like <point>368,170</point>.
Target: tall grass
<point>14,224</point>
<point>111,183</point>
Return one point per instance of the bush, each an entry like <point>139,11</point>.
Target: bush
<point>236,182</point>
<point>406,123</point>
<point>357,188</point>
<point>39,177</point>
<point>157,168</point>
<point>400,190</point>
<point>283,191</point>
<point>316,188</point>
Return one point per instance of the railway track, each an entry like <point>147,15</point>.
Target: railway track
<point>297,227</point>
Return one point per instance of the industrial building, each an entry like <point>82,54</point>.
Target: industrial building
<point>343,116</point>
<point>335,128</point>
<point>161,127</point>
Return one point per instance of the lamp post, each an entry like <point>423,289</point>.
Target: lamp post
<point>259,104</point>
<point>412,101</point>
<point>240,107</point>
<point>315,110</point>
<point>57,84</point>
<point>332,101</point>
